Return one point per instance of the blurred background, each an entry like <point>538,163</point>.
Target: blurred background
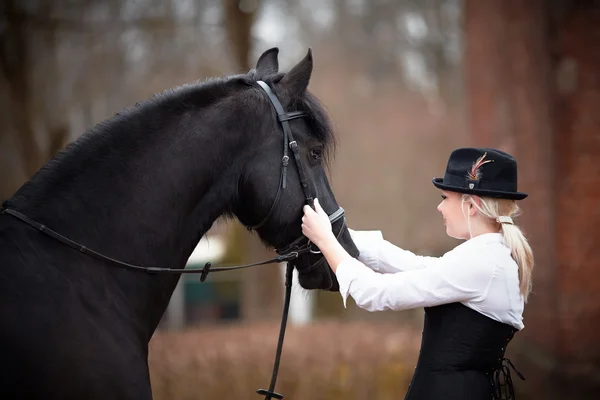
<point>405,82</point>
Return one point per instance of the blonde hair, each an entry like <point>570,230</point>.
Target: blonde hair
<point>521,252</point>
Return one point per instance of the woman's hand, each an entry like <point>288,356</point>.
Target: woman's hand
<point>316,225</point>
<point>317,228</point>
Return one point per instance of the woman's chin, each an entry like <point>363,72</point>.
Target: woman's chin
<point>455,235</point>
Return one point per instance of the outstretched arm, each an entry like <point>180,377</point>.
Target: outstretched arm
<point>382,256</point>
<point>452,280</point>
<point>375,252</point>
<point>446,279</point>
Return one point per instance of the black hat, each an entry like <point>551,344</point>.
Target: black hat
<point>481,172</point>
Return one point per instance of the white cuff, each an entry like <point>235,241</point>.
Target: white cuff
<point>345,274</point>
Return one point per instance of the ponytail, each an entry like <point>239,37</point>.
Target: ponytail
<point>522,254</point>
<point>502,212</point>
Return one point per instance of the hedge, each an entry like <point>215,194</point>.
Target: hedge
<point>324,360</point>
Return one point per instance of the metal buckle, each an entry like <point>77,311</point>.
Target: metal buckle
<point>292,255</point>
<point>310,248</point>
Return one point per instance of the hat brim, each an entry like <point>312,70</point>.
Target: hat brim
<point>439,183</point>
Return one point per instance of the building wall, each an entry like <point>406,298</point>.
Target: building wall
<point>533,77</point>
<point>578,175</point>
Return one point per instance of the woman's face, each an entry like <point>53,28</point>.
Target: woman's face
<point>454,217</point>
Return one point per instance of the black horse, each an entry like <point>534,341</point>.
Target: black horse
<point>143,187</point>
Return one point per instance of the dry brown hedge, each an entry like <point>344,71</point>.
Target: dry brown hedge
<point>325,360</point>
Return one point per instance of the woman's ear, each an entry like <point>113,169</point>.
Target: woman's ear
<point>474,200</point>
<point>472,209</point>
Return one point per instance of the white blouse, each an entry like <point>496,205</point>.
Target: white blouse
<point>480,273</point>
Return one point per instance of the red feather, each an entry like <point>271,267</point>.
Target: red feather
<point>474,173</point>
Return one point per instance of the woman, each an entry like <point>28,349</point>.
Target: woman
<point>473,295</point>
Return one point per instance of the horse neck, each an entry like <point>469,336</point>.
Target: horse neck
<point>145,198</point>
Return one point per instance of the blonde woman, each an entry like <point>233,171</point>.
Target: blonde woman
<point>474,295</point>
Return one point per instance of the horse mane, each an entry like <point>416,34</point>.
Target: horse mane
<point>205,92</point>
<point>189,96</point>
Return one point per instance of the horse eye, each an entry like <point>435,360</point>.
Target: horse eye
<point>316,154</point>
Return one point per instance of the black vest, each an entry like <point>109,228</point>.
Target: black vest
<point>462,356</point>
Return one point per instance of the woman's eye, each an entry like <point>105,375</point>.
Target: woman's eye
<point>444,197</point>
<point>316,154</point>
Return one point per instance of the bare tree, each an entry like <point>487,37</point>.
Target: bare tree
<point>22,152</point>
<point>256,302</point>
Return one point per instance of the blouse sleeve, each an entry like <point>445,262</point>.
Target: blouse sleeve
<point>449,279</point>
<point>382,256</point>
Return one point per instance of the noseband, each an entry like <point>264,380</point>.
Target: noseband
<point>292,251</point>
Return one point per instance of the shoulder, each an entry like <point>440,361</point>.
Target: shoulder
<point>486,246</point>
<point>481,254</point>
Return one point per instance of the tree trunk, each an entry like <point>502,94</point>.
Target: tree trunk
<point>15,124</point>
<point>18,113</point>
<point>261,287</point>
<point>238,24</point>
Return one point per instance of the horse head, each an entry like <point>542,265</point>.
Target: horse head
<point>289,166</point>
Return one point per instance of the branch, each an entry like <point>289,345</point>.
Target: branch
<point>52,23</point>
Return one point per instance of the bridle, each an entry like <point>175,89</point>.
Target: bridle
<point>292,251</point>
<point>290,144</point>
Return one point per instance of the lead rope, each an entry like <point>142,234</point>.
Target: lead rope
<point>271,394</point>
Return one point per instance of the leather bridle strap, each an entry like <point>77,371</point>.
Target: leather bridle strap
<point>270,393</point>
<point>288,141</point>
<point>333,218</point>
<point>339,213</point>
<point>288,256</point>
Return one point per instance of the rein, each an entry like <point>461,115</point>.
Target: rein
<point>292,253</point>
<point>289,253</point>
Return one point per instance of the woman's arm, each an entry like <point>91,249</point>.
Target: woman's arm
<point>455,277</point>
<point>451,280</point>
<point>383,256</point>
<point>375,252</point>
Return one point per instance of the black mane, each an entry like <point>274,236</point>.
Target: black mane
<point>119,132</point>
<point>203,93</point>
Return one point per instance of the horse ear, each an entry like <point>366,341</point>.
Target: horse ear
<point>267,63</point>
<point>296,81</point>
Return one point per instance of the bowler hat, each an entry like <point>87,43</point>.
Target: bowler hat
<point>481,172</point>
